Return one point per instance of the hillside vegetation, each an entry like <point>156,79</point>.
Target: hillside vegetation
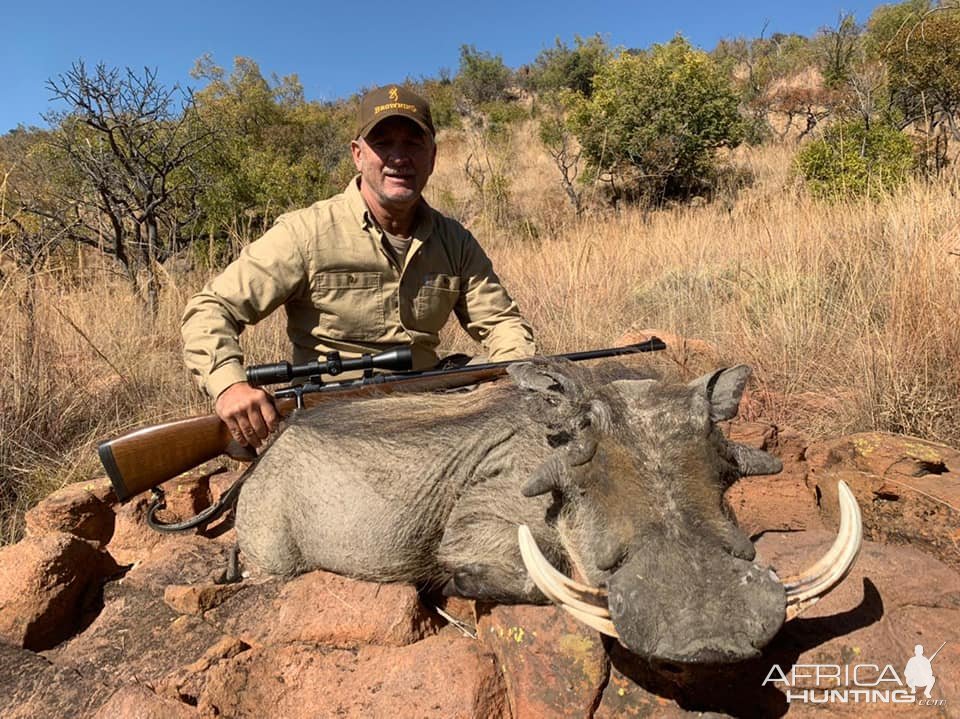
<point>824,285</point>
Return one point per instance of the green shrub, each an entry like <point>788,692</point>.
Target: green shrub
<point>562,67</point>
<point>482,76</point>
<point>655,119</point>
<point>851,160</point>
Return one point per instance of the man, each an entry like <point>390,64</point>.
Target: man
<point>371,268</point>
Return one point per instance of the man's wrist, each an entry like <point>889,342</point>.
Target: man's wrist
<point>224,377</point>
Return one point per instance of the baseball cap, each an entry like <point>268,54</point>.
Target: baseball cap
<point>389,101</point>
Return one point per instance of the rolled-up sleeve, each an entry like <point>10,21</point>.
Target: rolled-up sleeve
<point>266,274</point>
<point>488,313</point>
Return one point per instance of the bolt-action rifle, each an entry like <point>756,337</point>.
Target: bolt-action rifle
<point>147,457</point>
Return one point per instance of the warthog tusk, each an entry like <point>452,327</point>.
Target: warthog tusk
<point>604,626</point>
<point>806,589</point>
<point>586,604</point>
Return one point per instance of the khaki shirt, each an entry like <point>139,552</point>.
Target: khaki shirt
<point>330,267</point>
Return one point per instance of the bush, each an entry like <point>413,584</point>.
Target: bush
<point>657,117</point>
<point>851,159</point>
<point>482,77</point>
<point>562,67</point>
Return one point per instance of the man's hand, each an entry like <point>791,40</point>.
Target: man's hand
<point>248,413</point>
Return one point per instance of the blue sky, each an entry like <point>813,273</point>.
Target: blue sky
<point>338,47</point>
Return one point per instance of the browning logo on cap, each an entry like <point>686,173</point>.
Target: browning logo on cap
<point>383,102</point>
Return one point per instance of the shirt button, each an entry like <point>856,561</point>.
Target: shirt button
<point>352,279</point>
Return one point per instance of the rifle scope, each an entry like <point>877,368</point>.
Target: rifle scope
<point>395,360</point>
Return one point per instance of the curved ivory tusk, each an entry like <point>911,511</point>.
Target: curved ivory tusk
<point>602,625</point>
<point>558,588</point>
<point>806,589</point>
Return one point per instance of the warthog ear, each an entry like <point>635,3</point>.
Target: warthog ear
<point>723,389</point>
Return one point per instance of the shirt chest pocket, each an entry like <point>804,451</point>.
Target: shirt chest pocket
<point>436,299</point>
<point>350,304</point>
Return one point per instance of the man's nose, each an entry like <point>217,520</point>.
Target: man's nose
<point>398,156</point>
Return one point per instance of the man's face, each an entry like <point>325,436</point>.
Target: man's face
<point>395,160</point>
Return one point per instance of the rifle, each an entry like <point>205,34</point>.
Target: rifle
<point>146,457</point>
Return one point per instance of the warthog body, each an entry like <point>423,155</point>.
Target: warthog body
<point>619,479</point>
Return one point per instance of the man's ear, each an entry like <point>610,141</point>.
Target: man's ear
<point>355,151</point>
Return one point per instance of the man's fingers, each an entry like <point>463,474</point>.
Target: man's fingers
<point>270,415</point>
<point>247,431</point>
<point>248,413</point>
<point>235,430</point>
<point>257,424</point>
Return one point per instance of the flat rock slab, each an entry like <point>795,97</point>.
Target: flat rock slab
<point>31,687</point>
<point>324,608</point>
<point>443,677</point>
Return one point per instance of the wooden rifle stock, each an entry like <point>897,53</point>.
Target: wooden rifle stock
<point>147,457</point>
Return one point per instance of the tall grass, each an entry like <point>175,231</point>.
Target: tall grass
<point>855,301</point>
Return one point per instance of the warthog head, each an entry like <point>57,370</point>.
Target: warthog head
<point>638,483</point>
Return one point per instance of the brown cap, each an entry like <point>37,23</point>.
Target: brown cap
<point>388,101</point>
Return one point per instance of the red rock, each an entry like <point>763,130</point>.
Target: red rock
<point>553,666</point>
<point>908,489</point>
<point>447,677</point>
<point>82,509</point>
<point>185,497</point>
<point>759,435</point>
<point>186,683</point>
<point>779,502</point>
<point>133,539</point>
<point>31,687</point>
<point>47,585</point>
<point>196,599</point>
<point>135,701</point>
<point>327,609</point>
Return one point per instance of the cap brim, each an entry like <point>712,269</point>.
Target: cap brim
<point>365,130</point>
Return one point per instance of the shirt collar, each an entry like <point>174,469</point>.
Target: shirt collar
<point>423,226</point>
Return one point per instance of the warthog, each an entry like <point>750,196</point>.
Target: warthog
<point>613,477</point>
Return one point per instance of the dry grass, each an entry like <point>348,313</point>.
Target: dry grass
<point>856,301</point>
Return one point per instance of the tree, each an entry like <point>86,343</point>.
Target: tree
<point>129,142</point>
<point>564,68</point>
<point>920,45</point>
<point>482,77</point>
<point>838,51</point>
<point>275,151</point>
<point>655,119</point>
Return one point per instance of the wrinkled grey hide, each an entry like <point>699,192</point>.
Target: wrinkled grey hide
<point>619,479</point>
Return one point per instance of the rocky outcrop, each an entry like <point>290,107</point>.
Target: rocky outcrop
<point>908,489</point>
<point>100,616</point>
